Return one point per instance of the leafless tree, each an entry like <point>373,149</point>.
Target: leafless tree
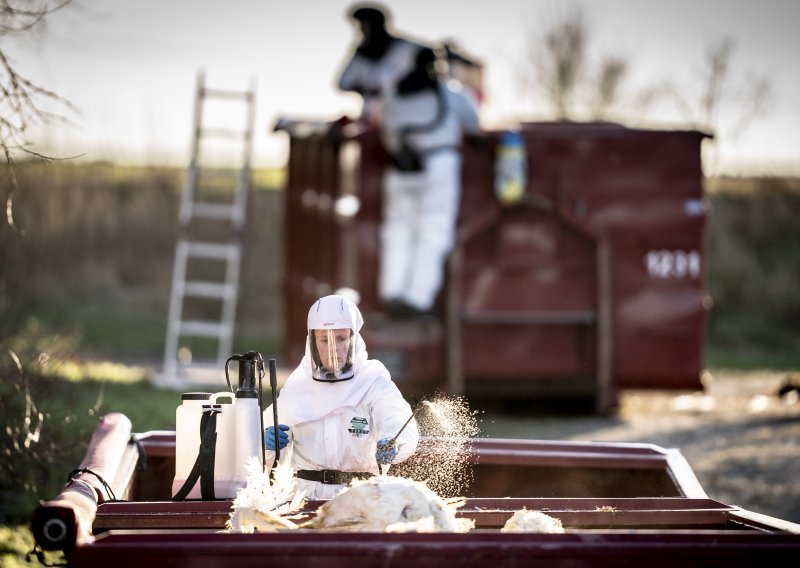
<point>612,74</point>
<point>560,61</point>
<point>725,106</point>
<point>559,71</point>
<point>23,103</point>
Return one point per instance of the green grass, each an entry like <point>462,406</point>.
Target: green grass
<point>63,402</point>
<point>104,328</point>
<point>16,542</point>
<point>752,359</point>
<point>50,414</point>
<point>48,422</point>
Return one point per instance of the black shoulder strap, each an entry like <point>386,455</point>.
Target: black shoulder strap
<point>441,111</point>
<point>203,467</point>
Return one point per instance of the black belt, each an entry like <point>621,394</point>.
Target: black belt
<point>332,476</point>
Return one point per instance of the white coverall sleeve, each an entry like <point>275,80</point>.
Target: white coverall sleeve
<point>390,412</point>
<point>465,111</point>
<point>351,78</point>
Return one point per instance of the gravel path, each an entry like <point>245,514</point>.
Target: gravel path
<point>741,439</point>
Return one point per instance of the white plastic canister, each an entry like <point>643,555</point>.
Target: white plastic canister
<point>187,442</point>
<point>248,435</point>
<point>187,435</point>
<point>226,481</point>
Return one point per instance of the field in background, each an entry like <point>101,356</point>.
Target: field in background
<point>92,259</point>
<point>752,253</point>
<point>92,262</point>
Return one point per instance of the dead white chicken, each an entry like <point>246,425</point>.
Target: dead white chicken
<point>262,506</point>
<point>532,521</point>
<point>389,504</point>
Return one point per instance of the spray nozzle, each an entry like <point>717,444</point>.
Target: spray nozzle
<point>391,442</point>
<point>251,365</point>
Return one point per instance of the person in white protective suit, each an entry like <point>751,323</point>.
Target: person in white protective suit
<point>338,409</point>
<point>379,62</point>
<point>422,122</point>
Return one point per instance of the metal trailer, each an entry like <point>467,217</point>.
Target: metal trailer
<point>620,504</point>
<point>593,282</point>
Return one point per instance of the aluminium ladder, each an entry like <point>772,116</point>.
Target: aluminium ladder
<point>212,216</point>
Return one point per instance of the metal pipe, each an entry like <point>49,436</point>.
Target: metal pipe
<point>273,385</point>
<point>392,441</point>
<point>260,365</point>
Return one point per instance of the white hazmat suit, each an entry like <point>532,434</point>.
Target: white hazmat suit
<point>420,209</point>
<point>421,124</point>
<point>335,424</point>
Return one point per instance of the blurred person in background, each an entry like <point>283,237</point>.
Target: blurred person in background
<point>422,121</point>
<point>339,410</point>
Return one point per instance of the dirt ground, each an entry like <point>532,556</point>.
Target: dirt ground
<point>741,439</point>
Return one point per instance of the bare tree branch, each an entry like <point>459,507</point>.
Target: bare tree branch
<point>719,93</point>
<point>726,106</point>
<point>23,103</point>
<point>559,61</point>
<point>609,83</point>
<point>560,70</point>
<point>561,73</point>
<point>718,60</point>
<point>14,184</point>
<point>19,20</point>
<point>752,104</point>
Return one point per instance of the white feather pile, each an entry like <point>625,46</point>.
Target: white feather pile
<point>389,504</point>
<point>532,521</point>
<point>264,506</point>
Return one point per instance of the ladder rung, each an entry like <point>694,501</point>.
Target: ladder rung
<point>225,133</point>
<point>204,328</point>
<point>199,365</point>
<point>212,250</point>
<point>196,372</point>
<point>198,289</point>
<point>198,202</point>
<point>215,174</point>
<point>227,94</point>
<point>213,210</point>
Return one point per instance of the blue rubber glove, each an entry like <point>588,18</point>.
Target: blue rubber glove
<point>269,437</point>
<point>385,455</point>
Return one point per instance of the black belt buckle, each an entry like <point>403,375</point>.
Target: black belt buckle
<point>329,477</point>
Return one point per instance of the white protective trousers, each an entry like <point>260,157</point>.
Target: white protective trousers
<point>420,211</point>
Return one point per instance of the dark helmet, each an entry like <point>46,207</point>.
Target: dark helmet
<point>372,14</point>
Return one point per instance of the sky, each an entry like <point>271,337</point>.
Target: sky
<point>130,67</point>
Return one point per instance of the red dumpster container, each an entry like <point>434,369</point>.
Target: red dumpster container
<point>593,282</point>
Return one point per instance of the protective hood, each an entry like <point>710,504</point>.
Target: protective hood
<point>334,312</point>
<point>303,398</point>
<point>333,324</point>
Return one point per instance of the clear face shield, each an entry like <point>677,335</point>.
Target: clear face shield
<point>332,354</point>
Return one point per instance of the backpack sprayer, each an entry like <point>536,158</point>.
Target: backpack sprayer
<point>227,435</point>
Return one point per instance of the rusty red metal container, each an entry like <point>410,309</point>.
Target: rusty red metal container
<point>658,515</point>
<point>592,283</point>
